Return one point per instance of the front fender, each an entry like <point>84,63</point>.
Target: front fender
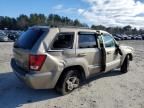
<point>126,50</point>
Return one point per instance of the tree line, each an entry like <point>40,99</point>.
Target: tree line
<point>119,30</point>
<point>22,22</point>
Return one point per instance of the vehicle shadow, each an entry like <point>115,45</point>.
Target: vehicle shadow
<point>14,93</point>
<point>104,74</point>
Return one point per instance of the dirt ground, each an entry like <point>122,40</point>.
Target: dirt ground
<point>109,90</point>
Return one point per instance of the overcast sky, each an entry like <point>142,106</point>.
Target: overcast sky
<point>104,12</point>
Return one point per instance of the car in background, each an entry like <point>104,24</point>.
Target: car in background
<point>142,36</point>
<point>117,38</point>
<point>129,37</point>
<point>133,37</point>
<point>13,35</point>
<point>3,37</point>
<point>126,37</point>
<point>139,37</point>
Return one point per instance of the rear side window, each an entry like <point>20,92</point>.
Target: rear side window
<point>63,41</point>
<point>87,41</point>
<point>28,39</point>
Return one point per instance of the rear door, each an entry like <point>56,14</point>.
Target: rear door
<point>111,55</point>
<point>63,45</point>
<point>23,46</point>
<point>88,51</point>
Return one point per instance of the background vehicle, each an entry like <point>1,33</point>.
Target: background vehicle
<point>62,58</point>
<point>117,38</point>
<point>3,37</point>
<point>14,35</point>
<point>142,36</point>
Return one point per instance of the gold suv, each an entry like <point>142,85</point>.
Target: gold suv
<point>62,58</point>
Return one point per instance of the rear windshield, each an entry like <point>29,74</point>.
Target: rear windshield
<point>28,39</point>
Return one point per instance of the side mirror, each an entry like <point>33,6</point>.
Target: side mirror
<point>118,49</point>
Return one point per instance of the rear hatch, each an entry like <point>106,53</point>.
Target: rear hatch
<point>23,46</point>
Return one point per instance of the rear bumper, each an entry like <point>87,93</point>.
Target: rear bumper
<point>34,80</point>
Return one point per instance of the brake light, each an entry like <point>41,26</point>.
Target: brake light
<point>36,62</point>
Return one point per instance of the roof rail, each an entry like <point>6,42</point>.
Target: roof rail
<point>42,26</point>
<point>53,26</point>
<point>75,27</point>
<point>61,26</point>
<point>39,26</point>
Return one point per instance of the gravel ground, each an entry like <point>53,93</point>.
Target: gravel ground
<point>109,90</point>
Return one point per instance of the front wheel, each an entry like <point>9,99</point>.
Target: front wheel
<point>125,65</point>
<point>69,81</point>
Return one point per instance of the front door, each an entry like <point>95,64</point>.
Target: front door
<point>111,54</point>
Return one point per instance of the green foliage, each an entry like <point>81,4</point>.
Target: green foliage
<point>23,21</point>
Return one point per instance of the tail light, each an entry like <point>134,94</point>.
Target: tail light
<point>36,62</point>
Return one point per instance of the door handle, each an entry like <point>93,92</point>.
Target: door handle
<point>109,52</point>
<point>82,54</point>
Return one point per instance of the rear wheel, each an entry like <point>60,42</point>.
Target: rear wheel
<point>125,65</point>
<point>69,81</point>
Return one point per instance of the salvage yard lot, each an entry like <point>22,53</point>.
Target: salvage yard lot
<point>109,90</point>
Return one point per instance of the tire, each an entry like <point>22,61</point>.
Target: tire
<point>125,65</point>
<point>68,81</point>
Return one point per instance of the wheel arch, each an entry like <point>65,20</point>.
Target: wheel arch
<point>130,56</point>
<point>77,67</point>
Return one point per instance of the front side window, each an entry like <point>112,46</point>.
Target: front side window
<point>63,41</point>
<point>87,41</point>
<point>108,41</point>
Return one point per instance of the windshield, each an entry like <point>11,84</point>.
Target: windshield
<point>28,39</point>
